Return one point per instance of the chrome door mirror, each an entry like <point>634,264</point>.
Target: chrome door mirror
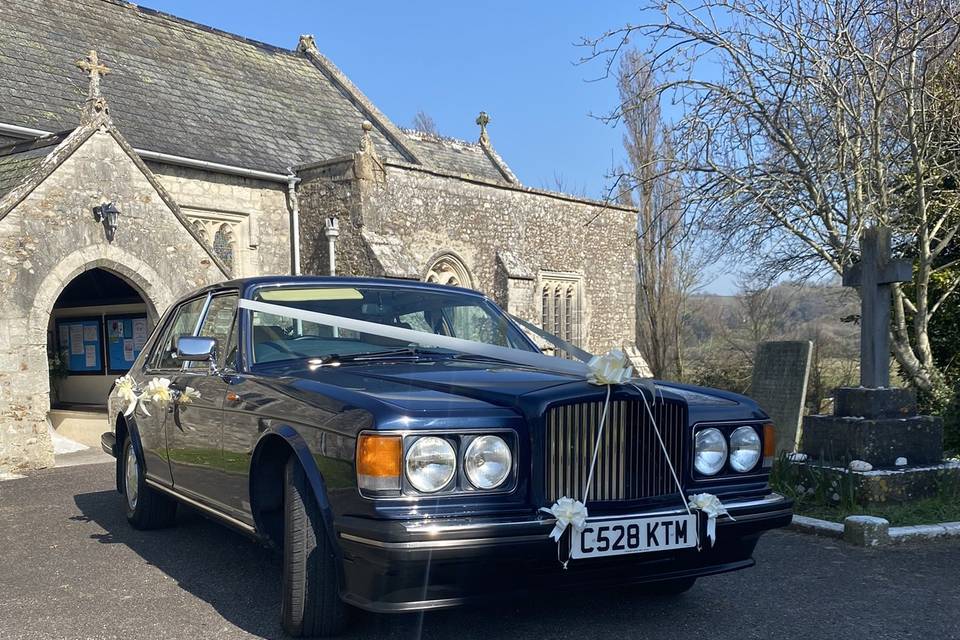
<point>196,349</point>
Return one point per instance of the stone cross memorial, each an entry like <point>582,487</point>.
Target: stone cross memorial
<point>873,275</point>
<point>874,425</point>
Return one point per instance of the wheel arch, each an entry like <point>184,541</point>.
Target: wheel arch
<point>270,456</point>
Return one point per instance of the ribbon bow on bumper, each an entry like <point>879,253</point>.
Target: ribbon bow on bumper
<point>568,512</point>
<point>710,505</point>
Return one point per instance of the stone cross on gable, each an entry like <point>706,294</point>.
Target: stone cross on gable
<point>95,69</point>
<point>483,120</point>
<point>873,275</point>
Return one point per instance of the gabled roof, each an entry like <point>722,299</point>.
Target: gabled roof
<point>185,89</point>
<point>31,162</point>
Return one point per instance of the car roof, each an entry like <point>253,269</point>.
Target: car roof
<point>246,286</point>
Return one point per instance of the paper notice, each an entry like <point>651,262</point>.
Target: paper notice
<point>139,332</point>
<point>90,353</point>
<point>128,350</point>
<point>89,333</point>
<point>76,339</point>
<point>64,335</point>
<point>116,328</point>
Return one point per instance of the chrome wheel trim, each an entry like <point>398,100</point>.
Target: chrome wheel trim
<point>131,478</point>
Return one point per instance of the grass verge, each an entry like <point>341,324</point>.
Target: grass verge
<point>926,511</point>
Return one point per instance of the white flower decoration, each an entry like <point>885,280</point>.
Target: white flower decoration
<point>158,392</point>
<point>127,392</point>
<point>613,367</point>
<point>188,395</point>
<point>710,505</point>
<point>568,512</point>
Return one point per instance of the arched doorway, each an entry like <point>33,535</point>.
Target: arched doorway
<point>98,325</point>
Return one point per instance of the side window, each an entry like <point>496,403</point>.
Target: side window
<point>218,324</point>
<point>183,324</point>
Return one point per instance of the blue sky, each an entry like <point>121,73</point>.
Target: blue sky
<point>515,60</point>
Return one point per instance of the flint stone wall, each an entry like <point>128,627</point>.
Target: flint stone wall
<point>425,214</point>
<point>50,238</point>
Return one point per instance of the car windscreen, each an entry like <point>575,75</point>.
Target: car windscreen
<point>276,337</point>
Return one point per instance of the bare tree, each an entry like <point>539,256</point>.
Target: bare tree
<point>667,273</point>
<point>802,122</point>
<point>562,184</point>
<point>424,122</point>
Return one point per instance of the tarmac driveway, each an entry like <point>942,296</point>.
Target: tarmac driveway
<point>71,567</point>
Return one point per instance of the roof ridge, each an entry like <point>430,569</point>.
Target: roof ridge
<point>201,27</point>
<point>418,134</point>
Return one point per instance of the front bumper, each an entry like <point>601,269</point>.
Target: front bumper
<point>108,442</point>
<point>394,566</point>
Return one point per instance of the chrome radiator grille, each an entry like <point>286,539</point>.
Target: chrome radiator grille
<point>630,464</point>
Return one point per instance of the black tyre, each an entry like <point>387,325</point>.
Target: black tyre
<point>311,600</point>
<point>146,508</point>
<point>668,588</point>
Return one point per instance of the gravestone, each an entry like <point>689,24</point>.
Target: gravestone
<point>780,374</point>
<point>873,422</point>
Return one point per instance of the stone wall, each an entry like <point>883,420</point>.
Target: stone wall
<point>331,190</point>
<point>400,220</point>
<point>258,207</point>
<point>51,237</point>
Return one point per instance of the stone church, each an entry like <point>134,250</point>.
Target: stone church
<point>142,156</point>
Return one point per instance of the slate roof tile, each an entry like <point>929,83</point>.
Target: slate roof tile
<point>185,89</point>
<point>458,155</point>
<point>17,160</point>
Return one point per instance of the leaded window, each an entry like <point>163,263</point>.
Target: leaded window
<point>223,244</point>
<point>561,307</point>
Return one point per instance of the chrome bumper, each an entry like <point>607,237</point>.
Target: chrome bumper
<point>469,533</point>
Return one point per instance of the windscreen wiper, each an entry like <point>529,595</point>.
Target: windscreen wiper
<point>404,352</point>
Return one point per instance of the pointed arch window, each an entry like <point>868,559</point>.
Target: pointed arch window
<point>224,245</point>
<point>450,270</point>
<point>201,230</point>
<point>561,307</point>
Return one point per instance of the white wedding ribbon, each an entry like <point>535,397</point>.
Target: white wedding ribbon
<point>424,338</point>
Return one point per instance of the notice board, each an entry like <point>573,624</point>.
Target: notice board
<point>82,341</point>
<point>126,336</point>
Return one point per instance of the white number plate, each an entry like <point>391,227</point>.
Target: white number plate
<point>635,535</point>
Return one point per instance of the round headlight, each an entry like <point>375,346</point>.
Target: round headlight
<point>710,451</point>
<point>430,463</point>
<point>745,449</point>
<point>487,462</point>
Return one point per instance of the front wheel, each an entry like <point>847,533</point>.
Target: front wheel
<point>311,600</point>
<point>146,508</point>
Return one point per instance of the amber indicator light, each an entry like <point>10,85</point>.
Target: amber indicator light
<point>378,456</point>
<point>769,441</point>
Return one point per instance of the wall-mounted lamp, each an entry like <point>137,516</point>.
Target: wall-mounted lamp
<point>109,215</point>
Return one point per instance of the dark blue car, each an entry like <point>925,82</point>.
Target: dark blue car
<point>396,475</point>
